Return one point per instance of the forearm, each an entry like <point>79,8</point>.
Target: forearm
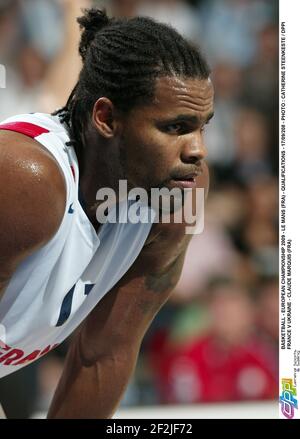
<point>103,354</point>
<point>92,389</point>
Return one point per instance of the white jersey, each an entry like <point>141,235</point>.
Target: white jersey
<point>54,289</point>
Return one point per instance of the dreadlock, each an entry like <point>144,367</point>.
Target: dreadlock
<point>121,60</point>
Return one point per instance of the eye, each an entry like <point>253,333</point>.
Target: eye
<point>176,128</point>
<point>203,128</point>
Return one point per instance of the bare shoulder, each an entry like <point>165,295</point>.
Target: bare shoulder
<point>32,196</point>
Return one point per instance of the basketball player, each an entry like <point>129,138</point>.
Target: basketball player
<point>137,113</point>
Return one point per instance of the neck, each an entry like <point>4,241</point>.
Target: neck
<point>100,171</point>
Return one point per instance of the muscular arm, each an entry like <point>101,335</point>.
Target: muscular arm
<point>104,350</point>
<point>32,200</point>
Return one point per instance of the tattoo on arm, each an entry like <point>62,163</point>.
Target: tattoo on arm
<point>160,284</point>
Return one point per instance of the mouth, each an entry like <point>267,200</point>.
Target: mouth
<point>185,181</point>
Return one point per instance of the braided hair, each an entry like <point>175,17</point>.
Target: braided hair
<point>121,60</point>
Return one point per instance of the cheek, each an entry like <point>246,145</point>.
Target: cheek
<point>152,151</point>
<point>158,157</point>
<point>162,148</point>
<point>150,156</point>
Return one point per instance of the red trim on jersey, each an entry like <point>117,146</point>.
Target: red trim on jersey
<point>29,129</point>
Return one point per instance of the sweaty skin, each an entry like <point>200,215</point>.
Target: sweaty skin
<point>151,146</point>
<point>32,200</point>
<point>166,138</point>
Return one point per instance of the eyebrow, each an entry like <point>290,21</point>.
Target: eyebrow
<point>188,118</point>
<point>210,116</point>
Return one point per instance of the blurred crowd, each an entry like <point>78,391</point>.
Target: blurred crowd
<point>217,337</point>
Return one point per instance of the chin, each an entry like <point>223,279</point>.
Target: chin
<point>167,205</point>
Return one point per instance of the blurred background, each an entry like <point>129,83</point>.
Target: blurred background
<point>216,340</point>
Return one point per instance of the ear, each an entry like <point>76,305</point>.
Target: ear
<point>104,117</point>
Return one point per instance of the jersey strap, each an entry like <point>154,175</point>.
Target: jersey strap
<point>29,129</point>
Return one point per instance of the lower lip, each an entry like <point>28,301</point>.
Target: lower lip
<point>184,184</point>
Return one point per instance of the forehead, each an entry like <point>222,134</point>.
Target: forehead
<point>173,95</point>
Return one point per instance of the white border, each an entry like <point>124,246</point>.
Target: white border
<point>290,101</point>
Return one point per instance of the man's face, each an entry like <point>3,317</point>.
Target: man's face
<point>163,141</point>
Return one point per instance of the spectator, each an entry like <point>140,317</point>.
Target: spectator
<point>225,364</point>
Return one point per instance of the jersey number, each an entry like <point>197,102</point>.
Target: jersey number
<point>66,305</point>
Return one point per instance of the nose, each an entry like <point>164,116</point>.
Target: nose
<point>193,150</point>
